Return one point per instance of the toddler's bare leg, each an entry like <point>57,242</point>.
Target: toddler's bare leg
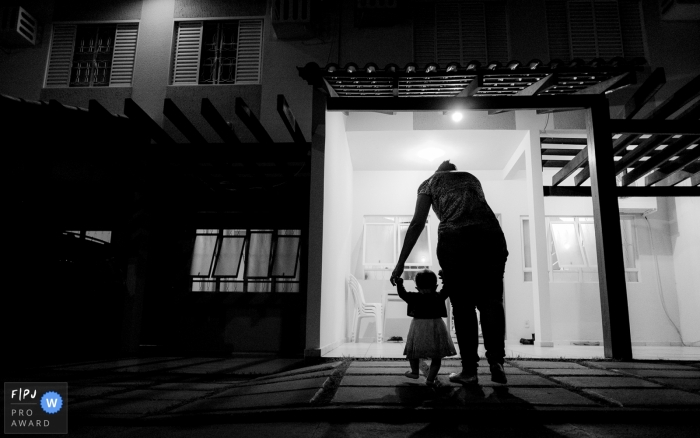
<point>434,368</point>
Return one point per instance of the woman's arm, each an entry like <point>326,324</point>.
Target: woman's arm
<point>413,233</point>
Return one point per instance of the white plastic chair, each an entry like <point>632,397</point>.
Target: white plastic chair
<point>364,310</point>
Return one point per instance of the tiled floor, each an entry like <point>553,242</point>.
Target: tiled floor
<point>395,350</point>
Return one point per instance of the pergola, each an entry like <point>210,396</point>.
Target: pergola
<point>603,156</point>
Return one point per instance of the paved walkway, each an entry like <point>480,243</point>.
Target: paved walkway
<point>167,390</point>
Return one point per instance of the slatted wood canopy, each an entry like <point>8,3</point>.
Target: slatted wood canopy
<point>657,152</point>
<point>602,152</point>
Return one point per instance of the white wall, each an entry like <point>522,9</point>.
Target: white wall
<point>394,193</point>
<point>685,239</point>
<point>337,211</point>
<point>576,306</point>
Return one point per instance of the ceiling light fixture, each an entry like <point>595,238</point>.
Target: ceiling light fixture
<point>430,154</point>
<point>456,116</point>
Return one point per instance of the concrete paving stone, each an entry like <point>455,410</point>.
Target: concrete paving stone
<point>121,406</point>
<point>402,363</point>
<point>192,386</point>
<point>606,382</point>
<point>286,378</point>
<point>304,370</point>
<point>388,371</point>
<point>547,364</point>
<point>217,367</point>
<point>664,373</point>
<point>651,397</point>
<point>513,380</point>
<point>268,367</point>
<point>659,365</point>
<point>270,388</point>
<point>388,381</point>
<point>573,372</point>
<point>115,364</point>
<point>482,370</point>
<point>278,399</point>
<point>156,394</point>
<point>549,396</point>
<point>165,366</point>
<point>92,391</point>
<point>687,384</point>
<point>391,395</point>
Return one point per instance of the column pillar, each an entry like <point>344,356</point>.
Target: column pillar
<point>530,121</point>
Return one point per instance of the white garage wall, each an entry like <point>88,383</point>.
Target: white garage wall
<point>337,222</point>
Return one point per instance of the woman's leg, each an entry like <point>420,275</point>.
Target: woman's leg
<point>434,368</point>
<point>414,366</point>
<point>467,330</point>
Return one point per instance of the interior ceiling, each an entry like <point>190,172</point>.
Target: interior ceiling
<point>397,149</point>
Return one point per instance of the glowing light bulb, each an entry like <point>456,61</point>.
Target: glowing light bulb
<point>456,116</point>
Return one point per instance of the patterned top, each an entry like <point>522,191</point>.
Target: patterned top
<point>458,201</point>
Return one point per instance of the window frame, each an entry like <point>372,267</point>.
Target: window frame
<point>238,19</point>
<point>588,269</point>
<point>223,283</point>
<point>397,244</point>
<point>113,82</point>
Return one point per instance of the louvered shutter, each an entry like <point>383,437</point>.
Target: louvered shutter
<point>594,27</point>
<point>424,40</point>
<point>607,29</point>
<point>249,55</point>
<point>60,55</point>
<point>187,53</point>
<point>124,55</point>
<point>558,30</point>
<point>632,32</point>
<point>460,31</point>
<point>472,18</point>
<point>496,31</point>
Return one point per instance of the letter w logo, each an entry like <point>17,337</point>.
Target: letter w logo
<point>52,402</point>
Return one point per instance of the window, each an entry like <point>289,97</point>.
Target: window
<point>460,31</point>
<point>238,260</point>
<point>383,239</point>
<point>102,237</point>
<point>92,55</point>
<point>217,52</point>
<point>572,249</point>
<point>594,29</point>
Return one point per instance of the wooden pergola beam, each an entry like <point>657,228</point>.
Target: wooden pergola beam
<point>256,128</point>
<point>687,158</point>
<point>677,178</point>
<point>290,122</point>
<point>631,157</point>
<point>474,85</point>
<point>636,192</point>
<point>538,86</point>
<point>579,160</point>
<point>681,97</point>
<point>218,123</point>
<point>663,156</point>
<point>181,122</point>
<point>147,124</point>
<point>668,127</point>
<point>606,213</point>
<point>644,94</point>
<point>615,82</point>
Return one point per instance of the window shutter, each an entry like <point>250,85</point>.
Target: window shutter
<point>558,30</point>
<point>460,31</point>
<point>595,29</point>
<point>249,57</point>
<point>632,32</point>
<point>424,40</point>
<point>60,55</point>
<point>187,52</point>
<point>124,55</point>
<point>496,31</point>
<point>607,29</point>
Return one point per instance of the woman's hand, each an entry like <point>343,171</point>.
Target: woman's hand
<point>398,270</point>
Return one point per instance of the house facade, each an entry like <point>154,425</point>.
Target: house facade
<point>313,220</point>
